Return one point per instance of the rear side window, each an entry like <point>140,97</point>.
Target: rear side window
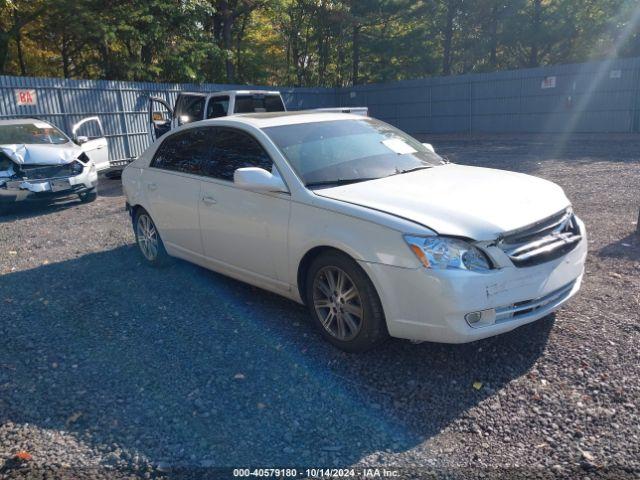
<point>185,151</point>
<point>190,108</point>
<point>218,107</point>
<point>232,149</point>
<point>258,103</point>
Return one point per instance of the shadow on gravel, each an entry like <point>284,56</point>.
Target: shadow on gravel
<point>628,247</point>
<point>186,366</point>
<point>106,188</point>
<point>36,209</point>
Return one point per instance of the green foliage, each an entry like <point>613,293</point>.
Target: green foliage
<point>305,42</point>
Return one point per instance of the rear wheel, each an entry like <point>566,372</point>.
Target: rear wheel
<point>344,303</point>
<point>148,240</point>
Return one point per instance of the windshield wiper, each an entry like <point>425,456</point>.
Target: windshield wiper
<point>339,181</point>
<point>409,170</point>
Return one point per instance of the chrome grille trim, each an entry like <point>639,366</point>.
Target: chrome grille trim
<point>510,312</point>
<point>542,241</point>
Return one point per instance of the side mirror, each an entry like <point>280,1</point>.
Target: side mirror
<point>81,139</point>
<point>429,147</point>
<point>258,179</point>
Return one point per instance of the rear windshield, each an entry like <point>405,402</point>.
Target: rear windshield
<point>258,103</point>
<point>32,133</point>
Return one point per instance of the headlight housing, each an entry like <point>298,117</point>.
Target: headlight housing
<point>76,167</point>
<point>442,253</point>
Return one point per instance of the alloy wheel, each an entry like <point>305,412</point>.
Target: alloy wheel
<point>147,237</point>
<point>337,303</point>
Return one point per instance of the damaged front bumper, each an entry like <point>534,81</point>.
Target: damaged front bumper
<point>21,190</point>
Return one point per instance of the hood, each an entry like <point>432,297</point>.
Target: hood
<point>36,154</point>
<point>472,202</point>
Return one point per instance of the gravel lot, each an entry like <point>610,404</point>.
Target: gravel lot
<point>111,369</point>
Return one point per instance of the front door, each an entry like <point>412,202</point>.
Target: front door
<point>243,232</point>
<point>88,133</point>
<point>160,117</point>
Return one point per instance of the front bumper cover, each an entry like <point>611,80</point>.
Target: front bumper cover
<point>422,304</point>
<point>13,193</point>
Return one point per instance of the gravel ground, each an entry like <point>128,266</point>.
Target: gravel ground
<point>111,369</point>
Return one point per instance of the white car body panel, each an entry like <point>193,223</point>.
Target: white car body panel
<point>96,148</point>
<point>98,151</point>
<point>458,200</point>
<point>261,238</point>
<point>247,216</point>
<point>42,154</point>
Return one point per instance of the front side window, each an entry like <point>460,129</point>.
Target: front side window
<point>232,149</point>
<point>190,108</point>
<point>185,152</point>
<point>218,107</point>
<point>344,151</point>
<point>36,132</point>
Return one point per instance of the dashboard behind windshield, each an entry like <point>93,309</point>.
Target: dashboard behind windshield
<point>32,133</point>
<point>340,151</point>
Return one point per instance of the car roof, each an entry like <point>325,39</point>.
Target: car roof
<point>274,119</point>
<point>22,121</point>
<point>232,92</point>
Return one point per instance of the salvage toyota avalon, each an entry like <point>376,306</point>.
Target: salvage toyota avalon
<point>372,230</point>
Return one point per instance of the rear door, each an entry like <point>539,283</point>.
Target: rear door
<point>243,231</point>
<point>89,134</point>
<point>172,188</point>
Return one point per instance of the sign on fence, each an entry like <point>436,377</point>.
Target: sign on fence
<point>26,97</point>
<point>548,82</point>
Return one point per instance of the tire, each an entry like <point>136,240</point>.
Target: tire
<point>88,197</point>
<point>148,240</point>
<point>354,317</point>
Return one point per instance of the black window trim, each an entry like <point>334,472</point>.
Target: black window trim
<point>230,183</point>
<point>168,137</point>
<point>209,178</point>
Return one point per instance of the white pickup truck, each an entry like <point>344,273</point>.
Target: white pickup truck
<point>195,106</point>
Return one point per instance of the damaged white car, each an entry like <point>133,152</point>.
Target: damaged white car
<point>39,162</point>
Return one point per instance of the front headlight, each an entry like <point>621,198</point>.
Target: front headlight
<point>76,167</point>
<point>448,253</point>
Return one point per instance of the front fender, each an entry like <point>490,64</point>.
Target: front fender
<point>363,240</point>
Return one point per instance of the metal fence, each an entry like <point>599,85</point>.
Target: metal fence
<point>591,97</point>
<point>121,106</point>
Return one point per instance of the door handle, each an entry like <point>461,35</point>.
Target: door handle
<point>208,200</point>
<point>152,186</point>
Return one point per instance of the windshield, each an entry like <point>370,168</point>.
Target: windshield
<point>31,133</point>
<point>344,151</point>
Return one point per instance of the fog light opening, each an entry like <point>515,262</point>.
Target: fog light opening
<point>481,318</point>
<point>473,317</point>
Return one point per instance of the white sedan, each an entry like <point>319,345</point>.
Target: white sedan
<point>39,162</point>
<point>368,227</point>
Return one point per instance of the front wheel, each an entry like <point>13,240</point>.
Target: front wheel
<point>148,240</point>
<point>344,303</point>
<point>89,196</point>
